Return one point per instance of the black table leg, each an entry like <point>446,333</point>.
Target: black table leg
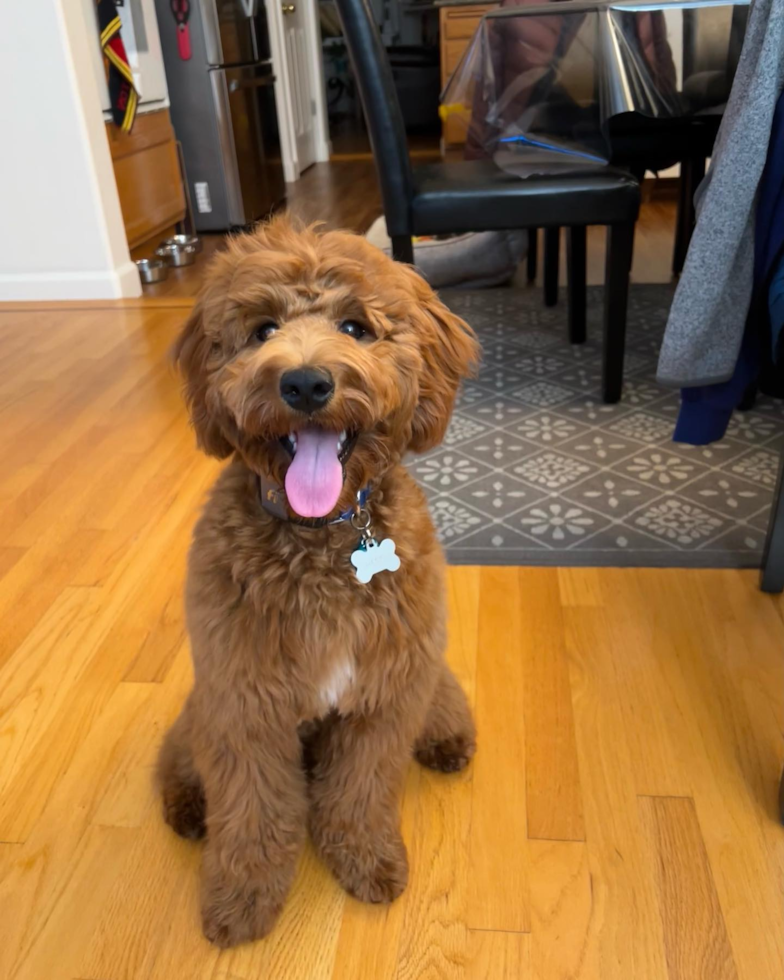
<point>575,271</point>
<point>552,244</point>
<point>533,253</point>
<point>402,248</point>
<point>772,577</point>
<point>692,172</point>
<point>620,240</point>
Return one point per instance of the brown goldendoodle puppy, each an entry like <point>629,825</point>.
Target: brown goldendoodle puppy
<point>316,362</point>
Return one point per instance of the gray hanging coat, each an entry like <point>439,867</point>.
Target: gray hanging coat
<point>708,313</point>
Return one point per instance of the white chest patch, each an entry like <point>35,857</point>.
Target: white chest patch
<point>337,683</point>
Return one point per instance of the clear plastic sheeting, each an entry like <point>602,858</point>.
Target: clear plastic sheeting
<point>569,85</point>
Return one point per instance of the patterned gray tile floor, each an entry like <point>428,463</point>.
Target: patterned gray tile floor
<point>535,470</point>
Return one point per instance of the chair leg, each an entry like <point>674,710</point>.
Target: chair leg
<point>772,578</point>
<point>620,239</point>
<point>692,172</point>
<point>402,248</point>
<point>533,253</point>
<point>575,271</point>
<point>552,244</point>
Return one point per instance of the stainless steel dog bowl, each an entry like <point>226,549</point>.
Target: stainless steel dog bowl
<point>183,241</point>
<point>152,270</point>
<point>177,256</point>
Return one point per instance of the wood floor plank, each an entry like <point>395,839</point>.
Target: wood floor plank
<point>498,875</point>
<point>34,684</point>
<point>628,934</point>
<point>129,794</point>
<point>8,558</point>
<point>35,581</point>
<point>59,880</point>
<point>463,587</point>
<point>499,956</point>
<point>728,748</point>
<point>655,753</point>
<point>109,651</point>
<point>580,586</point>
<point>553,796</point>
<point>566,912</point>
<point>695,936</point>
<point>52,944</point>
<point>434,939</point>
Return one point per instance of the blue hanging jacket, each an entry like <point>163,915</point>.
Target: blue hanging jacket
<point>706,410</point>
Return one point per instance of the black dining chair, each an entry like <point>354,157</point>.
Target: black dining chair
<point>476,195</point>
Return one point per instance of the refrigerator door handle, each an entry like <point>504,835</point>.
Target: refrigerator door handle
<point>235,85</point>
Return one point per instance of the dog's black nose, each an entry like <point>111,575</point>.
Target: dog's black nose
<point>306,389</point>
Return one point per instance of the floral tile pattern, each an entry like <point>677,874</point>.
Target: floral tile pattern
<point>551,470</point>
<point>543,394</point>
<point>535,469</point>
<point>546,429</point>
<point>760,467</point>
<point>462,427</point>
<point>557,522</point>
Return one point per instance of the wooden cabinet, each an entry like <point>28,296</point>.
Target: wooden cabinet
<point>147,171</point>
<point>457,26</point>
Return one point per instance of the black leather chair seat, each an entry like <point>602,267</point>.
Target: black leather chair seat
<point>477,195</point>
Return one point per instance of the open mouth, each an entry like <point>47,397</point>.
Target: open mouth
<point>314,479</point>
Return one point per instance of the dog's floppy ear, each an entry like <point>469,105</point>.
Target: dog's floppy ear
<point>450,352</point>
<point>190,353</point>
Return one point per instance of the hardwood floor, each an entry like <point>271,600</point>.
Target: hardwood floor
<point>619,820</point>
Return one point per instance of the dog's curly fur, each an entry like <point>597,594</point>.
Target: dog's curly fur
<point>311,690</point>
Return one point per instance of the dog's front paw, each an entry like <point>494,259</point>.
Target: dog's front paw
<point>449,754</point>
<point>372,869</point>
<point>231,916</point>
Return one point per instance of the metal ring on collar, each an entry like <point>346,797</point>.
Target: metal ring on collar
<point>360,520</point>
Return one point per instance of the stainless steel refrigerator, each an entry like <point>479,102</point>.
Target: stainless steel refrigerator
<point>221,88</point>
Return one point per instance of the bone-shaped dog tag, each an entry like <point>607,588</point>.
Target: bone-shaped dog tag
<point>374,557</point>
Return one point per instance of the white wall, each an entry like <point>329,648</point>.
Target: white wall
<point>61,228</point>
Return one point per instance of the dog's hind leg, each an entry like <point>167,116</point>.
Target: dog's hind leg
<point>448,739</point>
<point>184,806</point>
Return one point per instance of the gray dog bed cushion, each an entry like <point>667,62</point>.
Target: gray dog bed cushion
<point>471,261</point>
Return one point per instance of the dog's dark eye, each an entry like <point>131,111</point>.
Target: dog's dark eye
<point>263,332</point>
<point>352,329</point>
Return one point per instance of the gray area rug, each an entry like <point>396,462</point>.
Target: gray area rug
<point>536,470</point>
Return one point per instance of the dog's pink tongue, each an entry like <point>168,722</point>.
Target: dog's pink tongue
<point>315,477</point>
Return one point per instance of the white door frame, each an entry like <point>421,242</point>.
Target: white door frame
<point>283,95</point>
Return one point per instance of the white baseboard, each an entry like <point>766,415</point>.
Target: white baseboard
<point>120,283</point>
